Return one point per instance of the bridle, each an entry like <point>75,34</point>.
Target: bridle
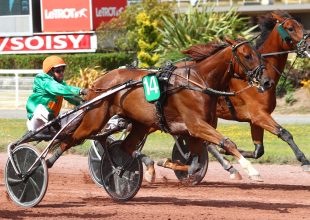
<point>254,75</point>
<point>301,46</point>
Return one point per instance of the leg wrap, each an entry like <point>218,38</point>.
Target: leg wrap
<point>194,167</point>
<point>145,159</point>
<point>219,157</point>
<point>259,150</point>
<point>232,170</point>
<point>50,162</point>
<point>285,135</point>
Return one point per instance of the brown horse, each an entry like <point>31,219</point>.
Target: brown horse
<point>280,33</point>
<point>188,110</point>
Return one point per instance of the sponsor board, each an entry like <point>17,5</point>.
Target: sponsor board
<point>104,11</point>
<point>64,16</point>
<point>56,43</point>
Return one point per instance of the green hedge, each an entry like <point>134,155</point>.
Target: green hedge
<point>106,61</point>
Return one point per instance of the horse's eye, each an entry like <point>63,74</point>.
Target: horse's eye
<point>248,56</point>
<point>290,29</point>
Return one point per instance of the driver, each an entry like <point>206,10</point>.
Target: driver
<point>49,90</point>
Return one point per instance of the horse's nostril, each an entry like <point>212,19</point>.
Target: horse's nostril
<point>268,84</point>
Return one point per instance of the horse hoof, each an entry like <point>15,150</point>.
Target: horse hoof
<point>306,168</point>
<point>163,162</point>
<point>235,176</point>
<point>256,178</point>
<point>149,176</point>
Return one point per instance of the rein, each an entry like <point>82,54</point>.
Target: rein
<point>98,90</point>
<point>278,53</point>
<point>207,90</point>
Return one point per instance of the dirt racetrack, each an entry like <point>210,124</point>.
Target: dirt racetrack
<point>71,194</point>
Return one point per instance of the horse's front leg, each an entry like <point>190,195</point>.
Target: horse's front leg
<point>257,137</point>
<point>268,123</point>
<point>203,130</point>
<point>234,173</point>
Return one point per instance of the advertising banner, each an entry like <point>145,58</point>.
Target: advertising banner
<point>66,16</point>
<point>58,43</point>
<point>104,11</point>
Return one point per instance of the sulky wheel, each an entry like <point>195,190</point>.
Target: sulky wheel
<point>26,189</point>
<point>94,159</point>
<point>121,173</point>
<point>186,158</point>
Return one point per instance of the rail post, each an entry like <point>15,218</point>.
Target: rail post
<point>16,90</point>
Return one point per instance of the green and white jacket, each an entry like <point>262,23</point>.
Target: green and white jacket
<point>50,94</point>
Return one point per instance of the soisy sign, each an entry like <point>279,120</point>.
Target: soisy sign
<point>151,87</point>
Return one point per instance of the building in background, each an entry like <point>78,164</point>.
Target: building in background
<point>299,9</point>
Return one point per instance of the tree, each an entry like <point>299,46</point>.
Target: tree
<point>148,40</point>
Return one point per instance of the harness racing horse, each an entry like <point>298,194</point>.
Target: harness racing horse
<point>280,35</point>
<point>190,106</point>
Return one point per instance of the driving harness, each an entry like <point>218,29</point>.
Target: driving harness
<point>164,75</point>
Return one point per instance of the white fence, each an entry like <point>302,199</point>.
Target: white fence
<point>16,86</point>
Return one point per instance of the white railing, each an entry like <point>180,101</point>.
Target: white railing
<point>7,87</point>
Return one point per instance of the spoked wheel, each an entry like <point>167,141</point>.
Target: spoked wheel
<point>94,159</point>
<point>26,189</point>
<point>185,158</point>
<point>121,173</point>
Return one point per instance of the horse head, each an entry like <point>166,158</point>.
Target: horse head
<point>290,32</point>
<point>247,64</point>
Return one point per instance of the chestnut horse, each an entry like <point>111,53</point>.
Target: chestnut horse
<point>189,110</point>
<point>280,33</point>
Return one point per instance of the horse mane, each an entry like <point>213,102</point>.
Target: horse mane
<point>199,52</point>
<point>267,23</point>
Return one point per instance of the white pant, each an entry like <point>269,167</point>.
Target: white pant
<point>39,118</point>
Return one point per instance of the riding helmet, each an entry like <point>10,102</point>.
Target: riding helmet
<point>52,61</point>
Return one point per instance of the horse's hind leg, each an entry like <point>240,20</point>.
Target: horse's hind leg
<point>194,146</point>
<point>257,137</point>
<point>92,122</point>
<point>130,144</point>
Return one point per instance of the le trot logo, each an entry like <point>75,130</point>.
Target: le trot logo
<point>63,16</point>
<point>67,13</point>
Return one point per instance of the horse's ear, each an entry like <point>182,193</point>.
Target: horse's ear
<point>277,17</point>
<point>228,40</point>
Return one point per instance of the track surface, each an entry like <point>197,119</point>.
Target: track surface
<point>71,194</point>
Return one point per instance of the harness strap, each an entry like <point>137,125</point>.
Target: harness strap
<point>163,79</point>
<point>231,107</point>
